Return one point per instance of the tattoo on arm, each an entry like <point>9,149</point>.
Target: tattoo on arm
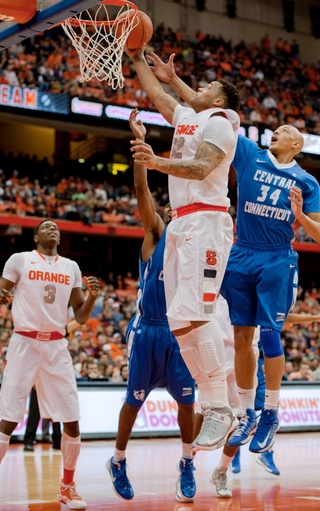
<point>207,158</point>
<point>208,149</point>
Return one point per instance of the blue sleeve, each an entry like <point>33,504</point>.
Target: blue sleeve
<point>244,151</point>
<point>311,195</point>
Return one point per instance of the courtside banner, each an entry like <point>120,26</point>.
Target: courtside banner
<point>299,410</point>
<point>34,99</point>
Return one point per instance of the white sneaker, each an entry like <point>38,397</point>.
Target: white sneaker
<point>68,495</point>
<point>217,423</point>
<point>219,480</point>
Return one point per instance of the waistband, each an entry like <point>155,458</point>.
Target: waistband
<point>196,206</point>
<point>151,321</point>
<point>265,248</point>
<point>42,336</point>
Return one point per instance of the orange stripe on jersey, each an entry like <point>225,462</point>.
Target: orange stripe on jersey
<point>47,276</point>
<point>43,257</point>
<point>208,297</point>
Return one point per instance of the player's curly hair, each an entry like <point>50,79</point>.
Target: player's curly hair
<point>231,94</point>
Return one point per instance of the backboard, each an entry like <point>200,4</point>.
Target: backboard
<point>48,14</point>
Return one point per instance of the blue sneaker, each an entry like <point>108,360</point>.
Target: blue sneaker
<point>185,487</point>
<point>235,463</point>
<point>244,430</point>
<point>120,481</point>
<point>264,437</point>
<point>266,460</point>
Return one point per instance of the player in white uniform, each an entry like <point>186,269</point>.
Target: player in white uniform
<point>200,236</point>
<point>43,284</point>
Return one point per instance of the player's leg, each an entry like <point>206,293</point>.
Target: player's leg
<point>18,379</point>
<point>203,352</point>
<point>219,475</point>
<point>191,313</point>
<point>140,340</point>
<point>181,387</point>
<point>239,289</point>
<point>266,458</point>
<point>275,301</point>
<point>70,449</point>
<point>244,358</point>
<point>58,399</point>
<point>117,464</point>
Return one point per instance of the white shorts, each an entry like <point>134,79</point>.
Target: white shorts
<point>195,258</point>
<point>48,366</point>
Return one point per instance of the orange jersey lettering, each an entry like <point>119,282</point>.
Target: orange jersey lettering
<point>49,277</point>
<point>186,129</point>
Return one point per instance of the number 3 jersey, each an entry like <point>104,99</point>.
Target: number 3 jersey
<point>264,214</point>
<point>42,291</point>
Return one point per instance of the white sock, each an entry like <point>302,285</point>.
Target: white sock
<point>271,400</point>
<point>119,455</point>
<point>213,393</point>
<point>4,445</point>
<point>70,449</point>
<point>186,451</point>
<point>246,398</point>
<point>224,461</point>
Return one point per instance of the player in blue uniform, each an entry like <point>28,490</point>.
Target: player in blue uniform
<point>261,279</point>
<point>154,354</point>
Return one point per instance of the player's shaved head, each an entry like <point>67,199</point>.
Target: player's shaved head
<point>297,136</point>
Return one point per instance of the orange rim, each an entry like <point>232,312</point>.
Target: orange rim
<point>77,22</point>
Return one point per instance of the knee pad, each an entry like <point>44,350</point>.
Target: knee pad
<point>271,342</point>
<point>211,361</point>
<point>190,355</point>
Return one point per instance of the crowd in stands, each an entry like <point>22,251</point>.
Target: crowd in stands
<point>99,350</point>
<point>275,86</point>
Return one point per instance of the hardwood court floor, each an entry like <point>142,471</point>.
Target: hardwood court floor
<point>28,481</point>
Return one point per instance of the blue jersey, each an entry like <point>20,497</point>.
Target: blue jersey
<point>264,214</point>
<point>152,301</point>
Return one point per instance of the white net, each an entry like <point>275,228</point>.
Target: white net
<point>100,41</point>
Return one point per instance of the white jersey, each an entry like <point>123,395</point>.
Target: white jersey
<point>48,286</point>
<point>217,126</point>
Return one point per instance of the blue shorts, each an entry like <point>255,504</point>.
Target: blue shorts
<point>155,361</point>
<point>260,286</point>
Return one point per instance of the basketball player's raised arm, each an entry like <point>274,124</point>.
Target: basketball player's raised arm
<point>152,222</point>
<point>163,102</point>
<point>165,72</point>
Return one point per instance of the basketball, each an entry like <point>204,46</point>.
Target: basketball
<point>141,33</point>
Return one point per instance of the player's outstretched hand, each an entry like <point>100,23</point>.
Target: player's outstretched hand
<point>163,71</point>
<point>5,297</point>
<point>92,284</point>
<point>296,200</point>
<point>134,53</point>
<point>143,154</point>
<point>137,128</point>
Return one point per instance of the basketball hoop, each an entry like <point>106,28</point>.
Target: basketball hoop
<point>100,41</point>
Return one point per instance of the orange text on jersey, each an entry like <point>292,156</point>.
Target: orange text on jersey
<point>49,277</point>
<point>186,129</point>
